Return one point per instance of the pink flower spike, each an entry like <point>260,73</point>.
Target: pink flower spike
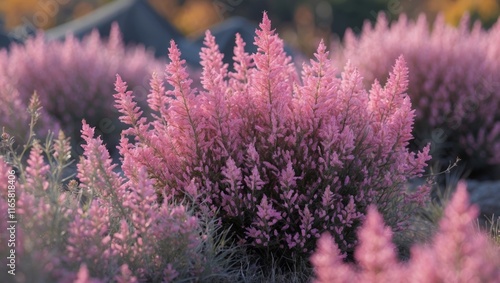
<point>37,170</point>
<point>84,277</point>
<point>376,254</point>
<point>328,264</point>
<point>131,113</point>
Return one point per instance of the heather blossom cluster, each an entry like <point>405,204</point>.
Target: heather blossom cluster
<point>453,83</point>
<point>104,227</point>
<point>457,252</point>
<point>279,157</point>
<point>146,234</point>
<point>72,79</point>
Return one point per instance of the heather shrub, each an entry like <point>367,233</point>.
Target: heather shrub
<point>74,78</point>
<point>102,226</point>
<point>279,157</point>
<point>457,253</point>
<point>453,82</point>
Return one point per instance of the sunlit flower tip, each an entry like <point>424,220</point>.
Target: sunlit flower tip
<point>34,105</point>
<point>5,136</point>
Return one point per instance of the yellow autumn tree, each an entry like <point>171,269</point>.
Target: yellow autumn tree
<point>17,12</point>
<point>191,18</point>
<point>453,10</point>
<point>44,14</point>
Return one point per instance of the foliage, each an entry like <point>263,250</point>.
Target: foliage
<point>73,79</point>
<point>104,227</point>
<point>453,83</point>
<point>268,157</point>
<point>278,158</point>
<point>457,253</point>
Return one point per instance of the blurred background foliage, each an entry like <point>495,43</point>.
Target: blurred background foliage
<point>485,10</point>
<point>45,14</point>
<point>301,23</point>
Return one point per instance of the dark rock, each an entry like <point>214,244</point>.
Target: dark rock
<point>485,194</point>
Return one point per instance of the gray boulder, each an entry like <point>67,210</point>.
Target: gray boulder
<point>486,195</point>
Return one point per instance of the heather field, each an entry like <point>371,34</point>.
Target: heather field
<point>350,166</point>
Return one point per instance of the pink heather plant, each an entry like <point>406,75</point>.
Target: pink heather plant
<point>74,78</point>
<point>149,238</point>
<point>41,211</point>
<point>107,228</point>
<point>458,252</point>
<point>279,157</point>
<point>453,82</point>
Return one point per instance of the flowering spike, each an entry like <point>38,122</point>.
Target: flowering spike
<point>242,61</point>
<point>319,87</point>
<point>328,264</point>
<point>274,78</point>
<point>394,90</point>
<point>83,275</point>
<point>115,41</point>
<point>131,113</point>
<point>376,239</point>
<point>156,98</point>
<point>62,148</point>
<point>184,119</point>
<point>214,70</point>
<point>37,170</point>
<point>398,78</point>
<point>95,170</point>
<point>176,73</point>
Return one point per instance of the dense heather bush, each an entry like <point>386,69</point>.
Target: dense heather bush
<point>454,81</point>
<point>105,228</point>
<point>280,159</point>
<point>457,253</point>
<point>74,78</point>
